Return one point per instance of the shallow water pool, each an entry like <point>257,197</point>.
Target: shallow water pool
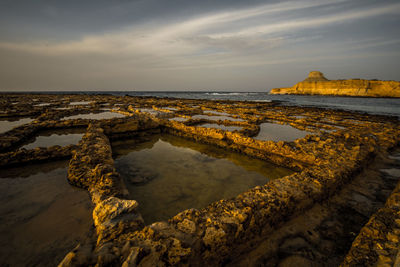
<point>6,125</point>
<point>221,126</point>
<point>168,174</point>
<point>56,137</point>
<point>278,132</point>
<point>78,103</point>
<point>215,118</point>
<point>180,119</point>
<point>96,116</point>
<point>42,217</point>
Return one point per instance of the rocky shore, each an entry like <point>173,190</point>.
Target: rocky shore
<point>317,84</point>
<point>333,159</point>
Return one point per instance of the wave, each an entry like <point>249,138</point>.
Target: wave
<point>261,100</point>
<point>231,93</point>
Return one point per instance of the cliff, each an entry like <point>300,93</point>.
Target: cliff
<point>317,84</point>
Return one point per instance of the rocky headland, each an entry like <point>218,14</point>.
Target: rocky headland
<point>317,84</point>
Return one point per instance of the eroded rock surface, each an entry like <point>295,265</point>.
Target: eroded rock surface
<point>328,160</point>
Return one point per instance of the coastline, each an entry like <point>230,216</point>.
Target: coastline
<point>336,95</point>
<point>317,84</point>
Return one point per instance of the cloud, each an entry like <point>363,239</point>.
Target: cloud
<point>237,37</point>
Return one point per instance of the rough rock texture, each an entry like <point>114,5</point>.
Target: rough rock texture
<point>92,168</point>
<point>113,216</point>
<point>339,146</point>
<point>317,84</point>
<point>92,165</point>
<point>378,242</point>
<point>225,229</point>
<point>39,154</point>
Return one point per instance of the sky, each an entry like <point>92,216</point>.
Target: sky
<point>188,45</point>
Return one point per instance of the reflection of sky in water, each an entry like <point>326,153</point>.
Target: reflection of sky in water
<point>215,118</point>
<point>54,139</point>
<point>42,217</point>
<point>178,119</point>
<point>42,105</point>
<point>213,112</point>
<point>96,116</point>
<point>8,125</point>
<point>170,174</point>
<point>221,126</point>
<point>278,132</point>
<point>153,112</point>
<point>168,108</point>
<point>80,103</point>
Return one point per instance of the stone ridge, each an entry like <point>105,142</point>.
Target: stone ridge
<point>317,84</point>
<point>223,230</point>
<point>378,240</point>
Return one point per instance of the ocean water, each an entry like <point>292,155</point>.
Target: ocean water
<point>380,106</point>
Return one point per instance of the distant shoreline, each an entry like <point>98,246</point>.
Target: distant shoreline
<point>317,84</point>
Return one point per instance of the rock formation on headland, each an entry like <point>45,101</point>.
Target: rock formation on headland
<point>317,84</point>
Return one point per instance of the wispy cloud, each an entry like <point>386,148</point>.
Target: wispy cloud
<point>229,37</point>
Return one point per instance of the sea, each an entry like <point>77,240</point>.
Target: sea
<point>379,106</point>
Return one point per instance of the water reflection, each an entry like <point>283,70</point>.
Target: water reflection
<point>96,116</point>
<point>218,113</point>
<point>42,217</point>
<point>6,125</point>
<point>215,118</point>
<point>168,174</point>
<point>221,126</point>
<point>78,103</point>
<point>180,119</point>
<point>278,132</point>
<point>153,112</point>
<point>52,138</point>
<point>169,108</point>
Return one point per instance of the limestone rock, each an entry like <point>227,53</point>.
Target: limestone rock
<point>113,216</point>
<point>317,84</point>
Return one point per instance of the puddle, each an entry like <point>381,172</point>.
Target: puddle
<point>168,108</point>
<point>213,112</point>
<point>55,137</point>
<point>278,132</point>
<point>221,126</point>
<point>9,124</point>
<point>178,119</point>
<point>149,110</point>
<point>153,112</point>
<point>215,118</point>
<point>96,116</point>
<point>62,108</point>
<point>299,117</point>
<point>78,103</point>
<point>168,174</point>
<point>42,217</point>
<point>42,105</point>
